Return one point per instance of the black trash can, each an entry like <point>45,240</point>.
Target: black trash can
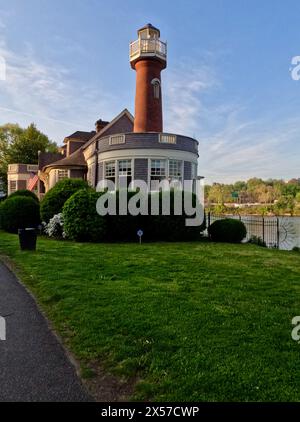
<point>27,238</point>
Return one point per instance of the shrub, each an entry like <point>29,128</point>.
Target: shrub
<point>19,212</point>
<point>56,197</point>
<point>256,240</point>
<point>55,227</point>
<point>227,230</point>
<point>24,192</point>
<point>155,227</point>
<point>171,227</point>
<point>83,223</point>
<point>81,220</point>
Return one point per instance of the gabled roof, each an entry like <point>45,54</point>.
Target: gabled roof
<point>80,135</point>
<point>74,160</point>
<point>102,132</point>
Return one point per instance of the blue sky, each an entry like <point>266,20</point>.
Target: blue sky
<point>228,80</point>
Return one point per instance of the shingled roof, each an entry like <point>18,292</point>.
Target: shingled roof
<point>74,160</point>
<point>81,135</point>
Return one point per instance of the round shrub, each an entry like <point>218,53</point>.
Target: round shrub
<point>19,212</point>
<point>24,192</point>
<point>81,220</point>
<point>56,197</point>
<point>227,230</point>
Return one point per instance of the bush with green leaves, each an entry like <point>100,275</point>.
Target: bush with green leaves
<point>19,212</point>
<point>24,192</point>
<point>256,240</point>
<point>56,197</point>
<point>171,227</point>
<point>227,230</point>
<point>81,220</point>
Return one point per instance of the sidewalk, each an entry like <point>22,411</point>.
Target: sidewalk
<point>33,364</point>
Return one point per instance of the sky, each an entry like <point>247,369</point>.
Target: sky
<point>228,81</point>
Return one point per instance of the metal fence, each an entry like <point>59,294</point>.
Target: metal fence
<point>276,232</point>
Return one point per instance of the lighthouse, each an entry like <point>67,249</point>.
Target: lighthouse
<point>148,57</point>
<point>131,148</point>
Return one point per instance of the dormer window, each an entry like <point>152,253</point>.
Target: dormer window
<point>156,87</point>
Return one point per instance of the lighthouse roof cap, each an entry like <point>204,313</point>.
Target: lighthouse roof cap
<point>149,26</point>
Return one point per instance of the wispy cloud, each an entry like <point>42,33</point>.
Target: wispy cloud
<point>49,94</point>
<point>232,147</point>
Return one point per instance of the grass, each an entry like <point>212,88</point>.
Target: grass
<point>191,321</point>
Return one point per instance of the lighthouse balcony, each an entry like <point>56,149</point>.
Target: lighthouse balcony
<point>148,48</point>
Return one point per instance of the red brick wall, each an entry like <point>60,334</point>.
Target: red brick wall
<point>148,109</point>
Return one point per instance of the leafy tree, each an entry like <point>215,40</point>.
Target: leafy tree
<point>18,145</point>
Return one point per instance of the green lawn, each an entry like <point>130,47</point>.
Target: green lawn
<point>189,321</point>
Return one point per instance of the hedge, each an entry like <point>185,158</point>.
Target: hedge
<point>81,222</point>
<point>56,197</point>
<point>24,192</point>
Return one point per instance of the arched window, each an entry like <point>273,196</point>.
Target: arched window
<point>156,87</point>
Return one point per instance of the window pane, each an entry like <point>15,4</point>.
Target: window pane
<point>124,167</point>
<point>175,169</point>
<point>158,167</point>
<point>62,174</point>
<point>110,169</point>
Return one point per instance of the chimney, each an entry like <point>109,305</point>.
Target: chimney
<point>100,124</point>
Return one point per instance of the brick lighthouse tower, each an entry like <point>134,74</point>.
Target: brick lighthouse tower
<point>148,56</point>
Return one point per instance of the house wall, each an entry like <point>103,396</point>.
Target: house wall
<point>141,169</point>
<point>77,174</point>
<point>73,146</point>
<point>18,175</point>
<point>123,125</point>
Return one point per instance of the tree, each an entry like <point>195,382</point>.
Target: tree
<point>18,145</point>
<point>285,204</point>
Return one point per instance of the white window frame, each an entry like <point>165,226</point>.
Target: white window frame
<point>59,171</point>
<point>175,177</point>
<point>33,168</point>
<point>165,138</point>
<point>128,173</point>
<point>116,139</point>
<point>112,164</point>
<point>12,189</point>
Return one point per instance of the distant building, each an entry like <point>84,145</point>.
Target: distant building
<point>131,147</point>
<point>21,176</point>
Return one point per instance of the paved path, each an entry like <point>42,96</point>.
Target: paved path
<point>33,364</point>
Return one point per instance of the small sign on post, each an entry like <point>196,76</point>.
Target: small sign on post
<point>140,234</point>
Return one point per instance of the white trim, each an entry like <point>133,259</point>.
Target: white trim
<point>120,137</point>
<point>148,153</point>
<point>166,136</point>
